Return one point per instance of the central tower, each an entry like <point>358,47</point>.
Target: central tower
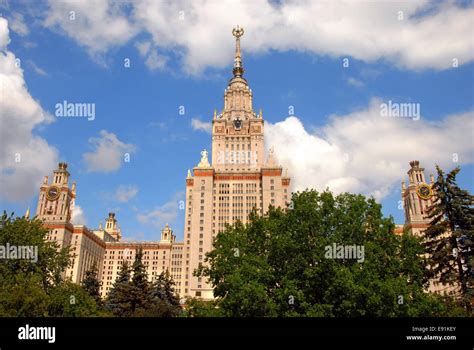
<point>237,180</point>
<point>237,131</point>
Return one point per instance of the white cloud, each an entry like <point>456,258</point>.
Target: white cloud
<point>78,217</point>
<point>143,47</point>
<point>98,25</point>
<point>126,192</point>
<point>355,82</point>
<point>24,157</point>
<point>430,35</point>
<point>108,153</point>
<point>29,44</point>
<point>163,214</point>
<point>38,70</point>
<point>4,34</point>
<point>153,60</point>
<point>156,61</point>
<point>200,125</point>
<point>18,25</point>
<point>363,152</point>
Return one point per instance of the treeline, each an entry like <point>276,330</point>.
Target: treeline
<point>275,266</point>
<point>38,289</point>
<point>132,295</point>
<point>278,265</point>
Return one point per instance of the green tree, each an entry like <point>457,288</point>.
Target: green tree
<point>131,294</point>
<point>91,284</point>
<point>449,237</point>
<point>36,288</point>
<point>278,264</point>
<point>71,300</point>
<point>118,301</point>
<point>164,297</point>
<point>140,287</point>
<point>25,285</point>
<point>200,308</point>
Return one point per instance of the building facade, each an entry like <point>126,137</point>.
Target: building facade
<point>102,247</point>
<point>158,257</point>
<point>417,197</point>
<point>239,178</point>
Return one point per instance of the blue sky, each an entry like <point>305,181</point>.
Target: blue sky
<point>138,108</point>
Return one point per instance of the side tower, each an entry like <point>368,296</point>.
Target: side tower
<point>55,205</point>
<point>416,197</point>
<point>112,228</point>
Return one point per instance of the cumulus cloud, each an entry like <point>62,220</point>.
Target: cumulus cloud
<point>410,34</point>
<point>197,124</point>
<point>78,217</point>
<point>163,214</point>
<point>108,153</point>
<point>367,153</point>
<point>98,25</point>
<point>126,192</point>
<point>24,157</point>
<point>4,34</point>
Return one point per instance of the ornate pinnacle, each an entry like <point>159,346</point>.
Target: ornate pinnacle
<point>238,69</point>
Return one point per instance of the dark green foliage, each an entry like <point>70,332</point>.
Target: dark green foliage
<point>118,301</point>
<point>91,284</point>
<point>140,288</point>
<point>164,295</point>
<point>132,295</point>
<point>35,289</point>
<point>71,300</point>
<point>277,265</point>
<point>450,236</point>
<point>199,308</point>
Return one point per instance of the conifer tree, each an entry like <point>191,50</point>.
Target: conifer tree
<point>118,301</point>
<point>449,238</point>
<point>140,291</point>
<point>91,284</point>
<point>164,296</point>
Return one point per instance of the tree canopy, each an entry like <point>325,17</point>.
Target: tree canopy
<point>278,264</point>
<point>36,288</point>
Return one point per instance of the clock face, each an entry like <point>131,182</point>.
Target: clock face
<point>424,191</point>
<point>52,193</point>
<point>237,123</point>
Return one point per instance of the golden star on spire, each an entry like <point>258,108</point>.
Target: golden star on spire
<point>238,69</point>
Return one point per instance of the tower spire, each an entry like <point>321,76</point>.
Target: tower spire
<point>238,68</point>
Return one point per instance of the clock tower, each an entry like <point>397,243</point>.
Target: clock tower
<point>55,205</point>
<point>237,131</point>
<point>417,197</point>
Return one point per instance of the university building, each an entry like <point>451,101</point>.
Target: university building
<point>238,179</point>
<point>101,247</point>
